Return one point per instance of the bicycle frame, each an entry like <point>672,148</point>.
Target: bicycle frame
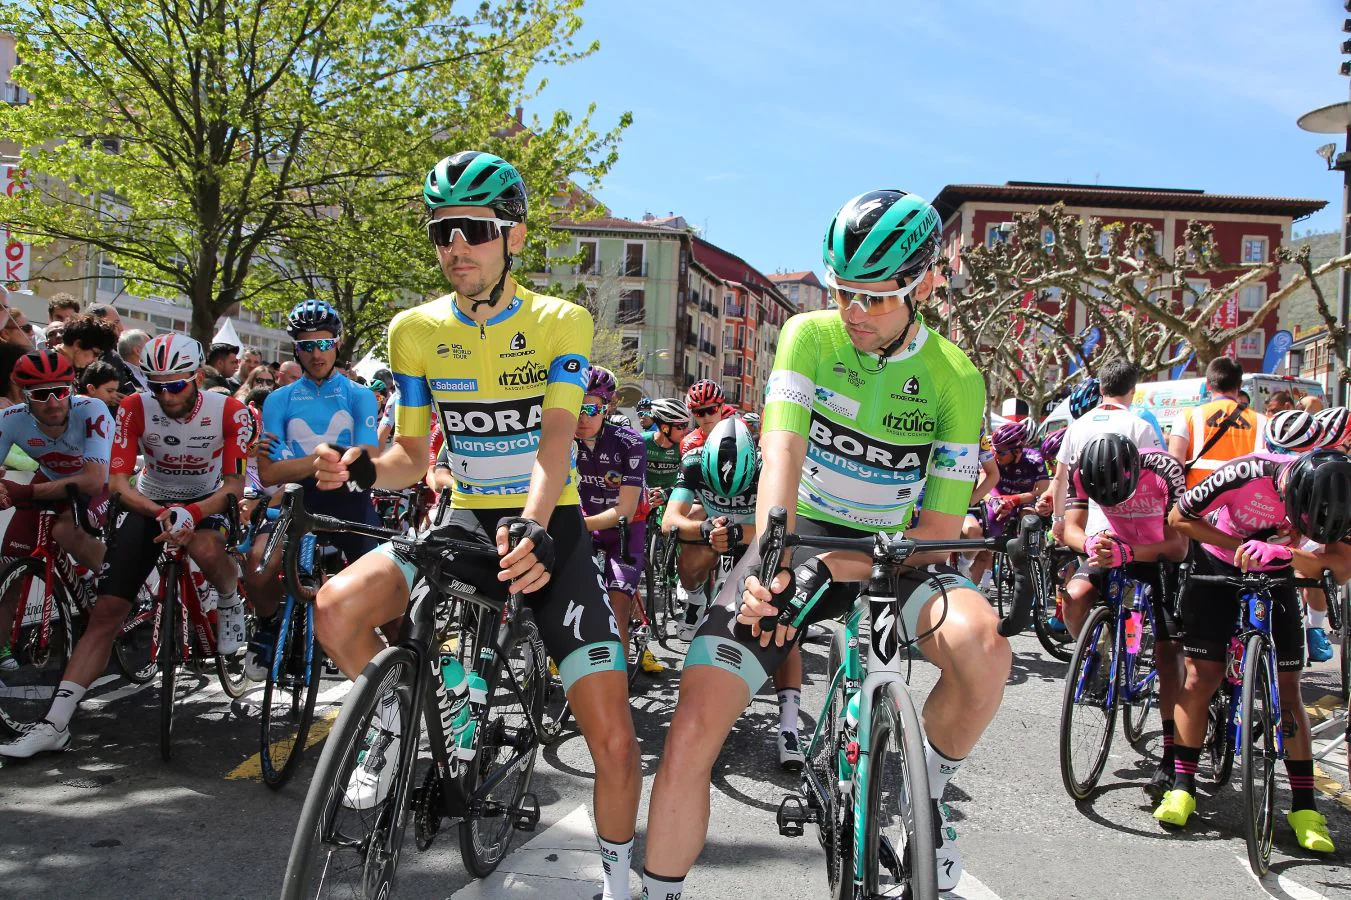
<point>55,563</point>
<point>1254,618</point>
<point>195,623</point>
<point>1124,661</point>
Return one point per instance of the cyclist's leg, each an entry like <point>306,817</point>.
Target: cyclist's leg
<point>693,566</point>
<point>207,549</point>
<point>788,688</point>
<point>20,537</point>
<point>579,630</point>
<point>352,604</point>
<point>87,549</point>
<point>1168,661</point>
<point>1080,595</point>
<point>721,674</point>
<point>264,588</point>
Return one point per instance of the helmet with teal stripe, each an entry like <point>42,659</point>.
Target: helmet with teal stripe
<point>883,236</point>
<point>730,464</point>
<point>474,178</point>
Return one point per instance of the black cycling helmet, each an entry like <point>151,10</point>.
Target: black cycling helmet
<point>1318,495</point>
<point>1109,468</point>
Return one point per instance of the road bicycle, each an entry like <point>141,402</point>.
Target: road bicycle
<point>47,603</point>
<point>1046,607</point>
<point>1338,615</point>
<point>1112,668</point>
<point>483,735</point>
<point>866,785</point>
<point>1253,724</point>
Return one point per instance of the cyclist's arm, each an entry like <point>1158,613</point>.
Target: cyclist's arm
<point>231,484</point>
<point>989,477</point>
<point>553,462</point>
<point>126,442</point>
<point>784,454</point>
<point>404,463</point>
<point>132,499</point>
<point>626,506</point>
<point>439,476</point>
<point>91,481</point>
<point>1337,557</point>
<point>678,515</point>
<point>1201,530</point>
<point>276,468</point>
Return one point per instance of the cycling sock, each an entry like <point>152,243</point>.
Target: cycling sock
<point>64,702</point>
<point>789,701</point>
<point>1301,783</point>
<point>695,601</point>
<point>616,859</point>
<point>1316,618</point>
<point>1184,767</point>
<point>228,601</point>
<point>1167,761</point>
<point>941,769</point>
<point>656,887</point>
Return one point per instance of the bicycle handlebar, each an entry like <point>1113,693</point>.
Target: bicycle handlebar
<point>1264,581</point>
<point>893,550</point>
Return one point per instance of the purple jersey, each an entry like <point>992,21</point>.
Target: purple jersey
<point>1141,517</point>
<point>617,459</point>
<point>1241,498</point>
<point>1021,476</point>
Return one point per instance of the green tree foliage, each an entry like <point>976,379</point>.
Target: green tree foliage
<point>233,150</point>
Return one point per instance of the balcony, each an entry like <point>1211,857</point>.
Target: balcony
<point>709,308</point>
<point>707,347</point>
<point>634,270</point>
<point>735,310</point>
<point>732,369</point>
<point>691,340</point>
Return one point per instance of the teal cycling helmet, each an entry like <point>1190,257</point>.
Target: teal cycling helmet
<point>474,178</point>
<point>883,235</point>
<point>730,463</point>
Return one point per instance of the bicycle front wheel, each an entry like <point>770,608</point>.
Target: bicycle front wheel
<point>134,645</point>
<point>1344,598</point>
<point>170,655</point>
<point>652,581</point>
<point>898,844</point>
<point>350,833</point>
<point>507,740</point>
<point>1257,735</point>
<point>1139,685</point>
<point>288,695</point>
<point>41,651</point>
<point>1086,716</point>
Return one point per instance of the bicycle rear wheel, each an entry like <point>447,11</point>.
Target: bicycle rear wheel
<point>1139,685</point>
<point>348,840</point>
<point>289,694</point>
<point>1086,718</point>
<point>1219,746</point>
<point>656,603</point>
<point>1344,598</point>
<point>230,666</point>
<point>134,646</point>
<point>40,652</point>
<point>1060,644</point>
<point>898,844</point>
<point>506,739</point>
<point>1257,736</point>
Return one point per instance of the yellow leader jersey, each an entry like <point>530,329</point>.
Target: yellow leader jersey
<point>490,385</point>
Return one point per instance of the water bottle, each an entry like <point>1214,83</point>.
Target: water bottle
<point>851,712</point>
<point>1233,662</point>
<point>1133,631</point>
<point>457,687</point>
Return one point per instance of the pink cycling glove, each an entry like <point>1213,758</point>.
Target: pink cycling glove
<point>1265,554</point>
<point>1120,552</point>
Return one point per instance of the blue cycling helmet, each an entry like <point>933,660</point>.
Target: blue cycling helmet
<point>644,405</point>
<point>1084,398</point>
<point>313,315</point>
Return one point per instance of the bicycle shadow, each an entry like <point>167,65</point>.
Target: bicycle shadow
<point>1028,665</point>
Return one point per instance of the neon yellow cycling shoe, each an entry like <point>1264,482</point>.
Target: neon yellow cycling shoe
<point>1311,830</point>
<point>1176,808</point>
<point>553,669</point>
<point>650,663</point>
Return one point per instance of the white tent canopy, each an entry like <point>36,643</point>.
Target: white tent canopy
<point>369,365</point>
<point>226,334</point>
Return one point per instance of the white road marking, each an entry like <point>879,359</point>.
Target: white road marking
<point>1280,887</point>
<point>560,863</point>
<point>969,887</point>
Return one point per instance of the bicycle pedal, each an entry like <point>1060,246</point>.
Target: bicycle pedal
<point>525,817</point>
<point>793,815</point>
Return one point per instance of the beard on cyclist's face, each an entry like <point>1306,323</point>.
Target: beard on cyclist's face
<point>872,333</point>
<point>473,269</point>
<point>51,412</point>
<point>318,364</point>
<point>177,405</point>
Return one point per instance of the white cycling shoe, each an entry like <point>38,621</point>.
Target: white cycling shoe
<point>945,841</point>
<point>790,751</point>
<point>230,628</point>
<point>374,773</point>
<point>40,737</point>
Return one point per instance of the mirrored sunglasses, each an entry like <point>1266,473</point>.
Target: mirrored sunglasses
<point>42,395</point>
<point>474,231</point>
<point>319,345</point>
<point>169,387</point>
<point>874,303</point>
<point>591,409</point>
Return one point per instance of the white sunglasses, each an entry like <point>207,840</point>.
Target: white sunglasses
<point>854,296</point>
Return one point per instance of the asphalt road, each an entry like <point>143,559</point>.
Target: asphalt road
<point>108,819</point>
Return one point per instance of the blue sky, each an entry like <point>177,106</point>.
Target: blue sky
<point>758,120</point>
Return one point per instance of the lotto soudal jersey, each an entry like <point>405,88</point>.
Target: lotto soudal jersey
<point>691,488</point>
<point>489,386</point>
<point>185,459</point>
<point>615,459</point>
<point>1240,498</point>
<point>88,437</point>
<point>878,432</point>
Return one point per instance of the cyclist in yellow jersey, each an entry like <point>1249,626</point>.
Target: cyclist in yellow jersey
<point>501,368</point>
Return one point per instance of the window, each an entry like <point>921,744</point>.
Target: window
<point>1105,243</point>
<point>588,265</point>
<point>1252,297</point>
<point>110,275</point>
<point>631,307</point>
<point>634,264</point>
<point>994,234</point>
<point>1254,249</point>
<point>1200,285</point>
<point>1252,344</point>
<point>1047,237</point>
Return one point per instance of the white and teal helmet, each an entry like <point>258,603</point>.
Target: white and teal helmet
<point>730,464</point>
<point>881,236</point>
<point>474,178</point>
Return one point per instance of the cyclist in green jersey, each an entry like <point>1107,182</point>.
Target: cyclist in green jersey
<point>670,423</point>
<point>866,407</point>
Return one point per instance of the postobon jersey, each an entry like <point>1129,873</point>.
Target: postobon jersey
<point>489,386</point>
<point>876,439</point>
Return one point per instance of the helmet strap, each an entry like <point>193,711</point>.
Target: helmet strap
<point>495,295</point>
<point>889,349</point>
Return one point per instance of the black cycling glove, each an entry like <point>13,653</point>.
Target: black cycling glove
<point>535,533</point>
<point>360,471</point>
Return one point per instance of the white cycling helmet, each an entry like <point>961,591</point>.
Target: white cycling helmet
<point>669,411</point>
<point>1333,424</point>
<point>1293,431</point>
<point>172,354</point>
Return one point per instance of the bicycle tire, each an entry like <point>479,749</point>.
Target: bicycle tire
<point>133,648</point>
<point>346,873</point>
<point>1219,746</point>
<point>824,757</point>
<point>1258,754</point>
<point>230,667</point>
<point>282,744</point>
<point>1136,712</point>
<point>656,604</point>
<point>1082,678</point>
<point>1058,644</point>
<point>29,690</point>
<point>170,649</point>
<point>485,841</point>
<point>896,735</point>
<point>1344,598</point>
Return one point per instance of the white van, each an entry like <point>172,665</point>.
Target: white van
<point>1167,400</point>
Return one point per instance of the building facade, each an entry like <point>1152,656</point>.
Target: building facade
<point>1247,229</point>
<point>803,289</point>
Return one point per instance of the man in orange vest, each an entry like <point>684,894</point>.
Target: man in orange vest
<point>1218,430</point>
